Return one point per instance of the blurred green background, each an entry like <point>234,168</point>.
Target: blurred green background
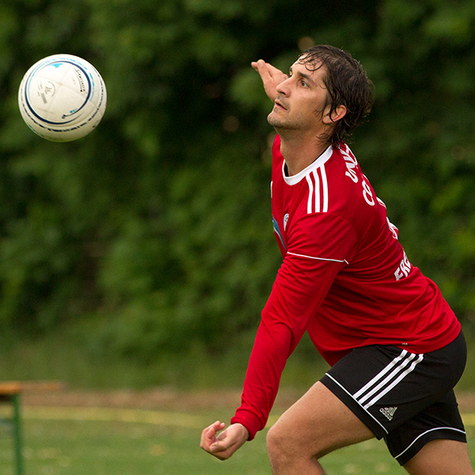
<point>144,253</point>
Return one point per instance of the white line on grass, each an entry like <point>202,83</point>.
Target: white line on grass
<point>140,416</point>
<point>114,414</point>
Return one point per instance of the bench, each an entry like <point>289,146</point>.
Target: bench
<point>10,392</point>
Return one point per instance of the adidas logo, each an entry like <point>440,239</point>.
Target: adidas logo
<point>388,412</point>
<point>286,218</point>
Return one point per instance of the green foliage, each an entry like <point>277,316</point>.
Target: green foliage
<point>153,234</point>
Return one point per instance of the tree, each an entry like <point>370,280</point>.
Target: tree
<point>155,230</point>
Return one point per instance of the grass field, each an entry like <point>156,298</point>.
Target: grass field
<point>117,441</point>
<point>157,436</point>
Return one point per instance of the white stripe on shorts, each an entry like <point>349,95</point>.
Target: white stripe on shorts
<point>387,378</point>
<point>369,413</point>
<point>426,432</point>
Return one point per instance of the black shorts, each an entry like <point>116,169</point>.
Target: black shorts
<point>406,398</point>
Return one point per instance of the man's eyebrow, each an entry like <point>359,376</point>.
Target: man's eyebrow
<point>303,75</point>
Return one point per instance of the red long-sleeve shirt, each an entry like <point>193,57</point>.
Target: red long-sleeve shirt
<point>345,278</point>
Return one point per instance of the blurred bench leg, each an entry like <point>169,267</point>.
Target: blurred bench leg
<point>17,436</point>
<point>10,392</point>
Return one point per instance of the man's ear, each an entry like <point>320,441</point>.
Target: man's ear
<point>335,116</point>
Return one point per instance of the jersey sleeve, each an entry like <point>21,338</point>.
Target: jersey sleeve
<point>318,247</point>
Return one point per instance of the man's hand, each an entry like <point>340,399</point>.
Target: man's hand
<point>271,77</point>
<point>223,445</point>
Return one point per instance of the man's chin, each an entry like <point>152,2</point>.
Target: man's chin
<point>273,120</point>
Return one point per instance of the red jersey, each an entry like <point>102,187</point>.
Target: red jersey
<point>345,278</point>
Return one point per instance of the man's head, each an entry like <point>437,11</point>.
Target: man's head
<point>347,84</point>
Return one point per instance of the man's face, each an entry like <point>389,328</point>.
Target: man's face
<point>301,101</point>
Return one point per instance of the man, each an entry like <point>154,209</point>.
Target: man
<point>394,346</point>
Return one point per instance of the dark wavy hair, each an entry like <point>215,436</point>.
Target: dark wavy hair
<point>347,84</point>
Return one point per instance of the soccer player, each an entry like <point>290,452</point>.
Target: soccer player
<point>394,345</point>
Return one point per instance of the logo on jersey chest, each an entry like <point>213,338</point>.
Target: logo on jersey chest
<point>277,231</point>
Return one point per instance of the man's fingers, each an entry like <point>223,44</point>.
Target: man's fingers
<point>223,448</point>
<point>224,444</point>
<point>263,69</point>
<point>271,77</point>
<point>258,64</point>
<point>208,436</point>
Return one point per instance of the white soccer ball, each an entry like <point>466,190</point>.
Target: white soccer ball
<point>62,98</point>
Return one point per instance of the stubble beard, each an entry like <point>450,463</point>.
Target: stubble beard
<point>277,121</point>
<point>294,128</point>
<point>282,125</point>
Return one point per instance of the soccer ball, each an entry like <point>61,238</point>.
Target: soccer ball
<point>62,98</point>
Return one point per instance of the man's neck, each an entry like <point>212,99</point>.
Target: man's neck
<point>299,154</point>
